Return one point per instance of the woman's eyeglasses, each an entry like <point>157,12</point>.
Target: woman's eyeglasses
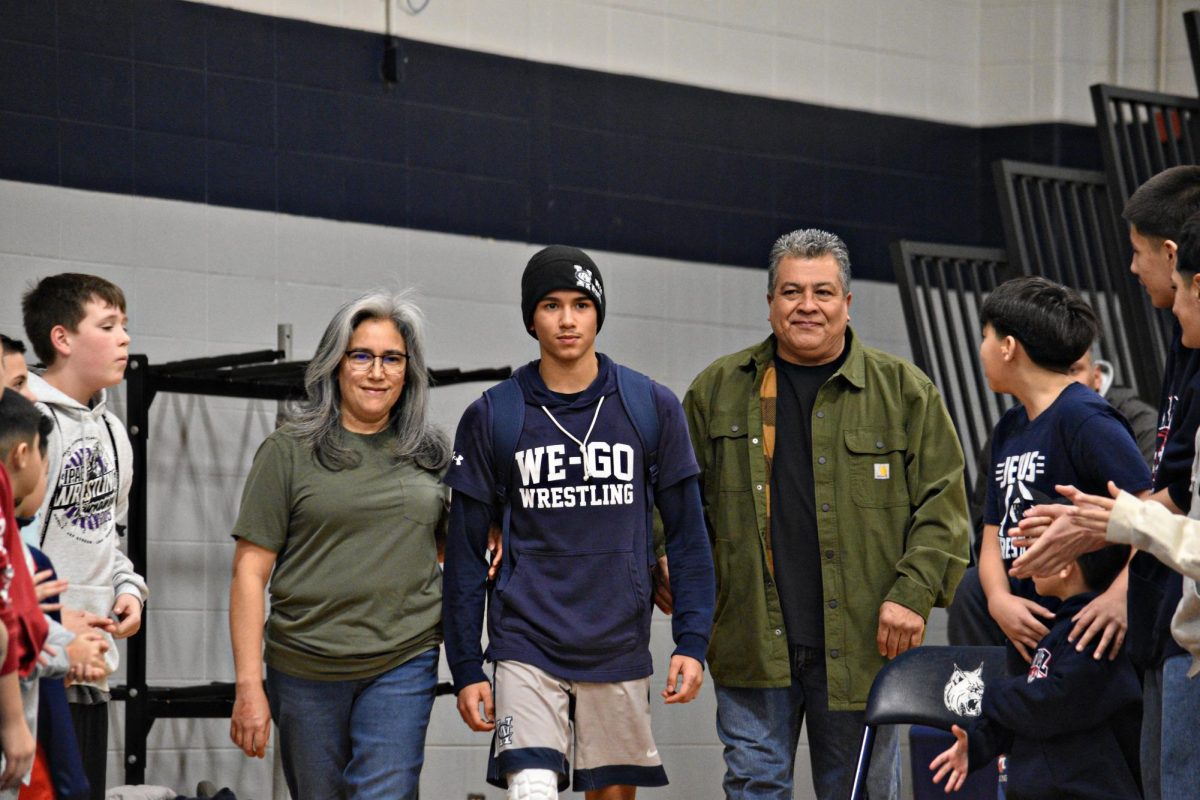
<point>363,360</point>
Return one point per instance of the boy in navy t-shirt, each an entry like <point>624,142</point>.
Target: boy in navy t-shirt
<point>569,613</point>
<point>1061,433</point>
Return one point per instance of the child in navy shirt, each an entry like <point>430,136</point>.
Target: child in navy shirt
<point>1061,433</point>
<point>1071,725</point>
<point>569,613</point>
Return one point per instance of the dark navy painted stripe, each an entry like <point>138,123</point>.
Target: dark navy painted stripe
<point>172,99</point>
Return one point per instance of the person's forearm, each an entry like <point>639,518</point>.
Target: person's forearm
<point>10,698</point>
<point>246,616</point>
<point>1163,497</point>
<point>464,589</point>
<point>690,557</point>
<point>991,566</point>
<point>1171,538</point>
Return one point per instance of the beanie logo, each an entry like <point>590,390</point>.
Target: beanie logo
<point>585,281</point>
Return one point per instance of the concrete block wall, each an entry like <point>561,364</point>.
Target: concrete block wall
<point>974,62</point>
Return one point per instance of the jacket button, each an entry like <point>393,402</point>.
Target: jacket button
<point>754,440</point>
<point>779,631</point>
<point>820,415</point>
<point>834,653</point>
<point>734,428</point>
<point>820,459</point>
<point>758,487</point>
<point>877,444</point>
<point>829,554</point>
<point>833,603</point>
<point>824,506</point>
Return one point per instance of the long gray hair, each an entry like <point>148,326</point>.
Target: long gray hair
<point>317,419</point>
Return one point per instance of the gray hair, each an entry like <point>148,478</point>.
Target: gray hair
<point>317,420</point>
<point>809,243</point>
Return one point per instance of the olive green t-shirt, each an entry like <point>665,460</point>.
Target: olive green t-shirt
<point>356,588</point>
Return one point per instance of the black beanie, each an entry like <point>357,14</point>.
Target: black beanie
<point>560,267</point>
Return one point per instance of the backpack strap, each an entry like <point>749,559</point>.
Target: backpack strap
<point>637,395</point>
<point>506,418</point>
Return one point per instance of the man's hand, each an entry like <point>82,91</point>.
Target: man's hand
<point>250,724</point>
<point>128,610</point>
<point>48,588</point>
<point>19,748</point>
<point>1080,529</point>
<point>684,678</point>
<point>78,621</point>
<point>662,587</point>
<point>470,698</point>
<point>952,762</point>
<point>1036,521</point>
<point>85,654</point>
<point>1105,616</point>
<point>900,629</point>
<point>496,547</point>
<point>1018,618</point>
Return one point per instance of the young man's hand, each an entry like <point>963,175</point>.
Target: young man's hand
<point>662,587</point>
<point>1018,618</point>
<point>128,611</point>
<point>684,678</point>
<point>78,621</point>
<point>496,548</point>
<point>250,723</point>
<point>952,762</point>
<point>1077,530</point>
<point>85,654</point>
<point>1107,617</point>
<point>19,747</point>
<point>48,588</point>
<point>470,698</point>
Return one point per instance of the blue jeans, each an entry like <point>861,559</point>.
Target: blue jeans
<point>354,739</point>
<point>760,729</point>
<point>1170,747</point>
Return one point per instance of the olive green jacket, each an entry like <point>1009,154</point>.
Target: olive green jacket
<point>891,512</point>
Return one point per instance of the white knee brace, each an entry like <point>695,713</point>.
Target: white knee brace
<point>533,784</point>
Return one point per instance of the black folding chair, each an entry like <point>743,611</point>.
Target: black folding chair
<point>934,686</point>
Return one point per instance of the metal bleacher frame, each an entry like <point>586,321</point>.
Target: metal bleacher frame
<point>1191,26</point>
<point>1141,134</point>
<point>941,289</point>
<point>261,375</point>
<point>1058,224</point>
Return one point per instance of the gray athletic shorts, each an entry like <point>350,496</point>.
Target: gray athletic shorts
<point>544,722</point>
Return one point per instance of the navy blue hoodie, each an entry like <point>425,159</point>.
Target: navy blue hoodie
<point>1070,727</point>
<point>574,597</point>
<point>1155,588</point>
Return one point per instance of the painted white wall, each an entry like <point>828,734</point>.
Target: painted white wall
<point>972,62</point>
<point>204,280</point>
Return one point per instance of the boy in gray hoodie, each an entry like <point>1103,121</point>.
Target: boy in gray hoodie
<point>76,326</point>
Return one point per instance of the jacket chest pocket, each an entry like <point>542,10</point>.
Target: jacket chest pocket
<point>730,458</point>
<point>876,457</point>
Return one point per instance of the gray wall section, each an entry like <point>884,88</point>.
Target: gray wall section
<point>204,280</point>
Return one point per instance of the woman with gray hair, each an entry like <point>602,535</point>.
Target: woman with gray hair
<point>342,512</point>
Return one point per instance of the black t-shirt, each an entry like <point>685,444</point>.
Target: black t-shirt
<point>793,501</point>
